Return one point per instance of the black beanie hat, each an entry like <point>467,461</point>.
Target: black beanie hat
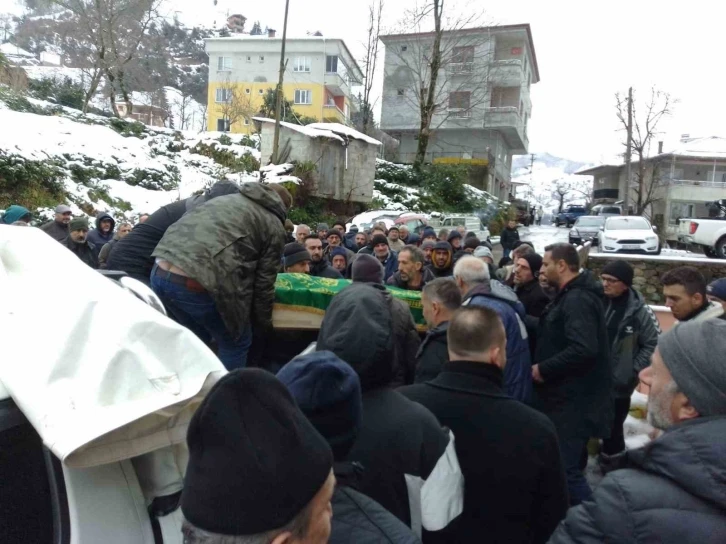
<point>327,390</point>
<point>454,234</point>
<point>472,242</point>
<point>294,253</point>
<point>443,245</point>
<point>620,270</point>
<point>379,239</point>
<point>535,262</point>
<point>255,461</point>
<point>335,232</point>
<point>367,268</point>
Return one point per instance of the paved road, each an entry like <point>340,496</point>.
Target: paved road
<point>539,236</point>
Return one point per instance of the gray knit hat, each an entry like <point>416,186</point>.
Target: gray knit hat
<point>693,352</point>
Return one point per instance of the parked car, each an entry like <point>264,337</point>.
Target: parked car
<point>628,234</point>
<point>471,223</point>
<point>708,234</point>
<point>586,228</point>
<point>569,215</point>
<point>522,210</point>
<point>606,210</point>
<point>415,223</point>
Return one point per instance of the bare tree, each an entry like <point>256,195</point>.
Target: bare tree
<point>569,189</point>
<point>233,104</point>
<point>114,30</point>
<point>444,72</point>
<point>370,62</point>
<point>645,128</point>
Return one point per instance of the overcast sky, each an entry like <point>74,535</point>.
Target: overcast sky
<point>586,52</point>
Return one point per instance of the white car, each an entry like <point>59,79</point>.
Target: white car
<point>628,234</point>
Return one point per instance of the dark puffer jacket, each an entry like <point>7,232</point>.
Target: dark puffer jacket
<point>232,245</point>
<point>54,229</point>
<point>358,328</point>
<point>433,354</point>
<point>132,254</point>
<point>501,299</point>
<point>98,238</point>
<point>322,269</point>
<point>672,491</point>
<point>86,251</point>
<point>634,344</point>
<point>573,354</point>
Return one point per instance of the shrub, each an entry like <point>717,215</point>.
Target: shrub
<point>63,92</point>
<point>34,184</point>
<point>245,163</point>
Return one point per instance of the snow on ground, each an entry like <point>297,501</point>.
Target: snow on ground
<point>186,113</point>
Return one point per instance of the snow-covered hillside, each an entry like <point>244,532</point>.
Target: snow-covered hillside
<point>94,163</point>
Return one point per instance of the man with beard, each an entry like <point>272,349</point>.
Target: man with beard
<point>411,273</point>
<point>442,260</point>
<point>319,266</point>
<point>361,240</point>
<point>78,243</point>
<point>335,239</point>
<point>384,254</point>
<point>339,261</point>
<point>58,228</point>
<point>428,248</point>
<point>684,289</point>
<point>302,232</point>
<point>394,241</point>
<point>572,374</point>
<point>103,233</point>
<point>669,491</point>
<point>526,284</point>
<point>123,230</point>
<point>403,234</point>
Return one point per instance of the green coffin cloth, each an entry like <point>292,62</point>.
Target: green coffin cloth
<point>307,293</point>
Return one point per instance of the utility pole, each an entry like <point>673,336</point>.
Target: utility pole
<point>278,102</point>
<point>628,153</point>
<point>531,175</point>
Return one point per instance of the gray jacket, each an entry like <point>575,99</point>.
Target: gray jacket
<point>671,491</point>
<point>634,344</point>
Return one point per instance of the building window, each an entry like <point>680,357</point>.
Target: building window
<point>222,125</point>
<point>331,64</point>
<point>261,91</point>
<point>463,54</point>
<point>247,91</point>
<point>302,64</point>
<point>246,121</point>
<point>404,48</point>
<point>401,92</point>
<point>303,96</point>
<point>459,100</point>
<point>223,95</point>
<point>224,64</point>
<point>262,58</point>
<point>249,58</point>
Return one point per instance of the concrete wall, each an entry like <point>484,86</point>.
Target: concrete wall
<point>337,176</point>
<point>648,271</point>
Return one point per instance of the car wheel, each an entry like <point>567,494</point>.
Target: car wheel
<point>721,248</point>
<point>659,250</point>
<point>710,253</point>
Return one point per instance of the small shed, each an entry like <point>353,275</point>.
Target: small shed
<point>345,159</point>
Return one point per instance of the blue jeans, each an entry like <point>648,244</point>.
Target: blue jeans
<point>572,450</point>
<point>505,253</point>
<point>198,312</point>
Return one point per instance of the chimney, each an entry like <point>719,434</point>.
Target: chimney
<point>660,148</point>
<point>271,32</point>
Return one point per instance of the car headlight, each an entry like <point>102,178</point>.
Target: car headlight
<point>613,238</point>
<point>652,238</point>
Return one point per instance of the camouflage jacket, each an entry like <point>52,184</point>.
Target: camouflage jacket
<point>232,245</point>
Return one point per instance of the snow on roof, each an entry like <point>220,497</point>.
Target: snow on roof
<point>15,51</point>
<point>307,130</point>
<point>711,146</point>
<point>337,128</point>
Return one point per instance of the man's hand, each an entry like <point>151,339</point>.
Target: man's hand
<point>536,376</point>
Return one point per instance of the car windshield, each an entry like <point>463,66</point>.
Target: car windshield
<point>576,209</point>
<point>628,223</point>
<point>611,209</point>
<point>589,221</point>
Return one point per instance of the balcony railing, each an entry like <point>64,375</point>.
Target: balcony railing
<point>457,113</point>
<point>337,84</point>
<point>331,111</point>
<point>451,157</point>
<point>460,67</point>
<point>696,183</point>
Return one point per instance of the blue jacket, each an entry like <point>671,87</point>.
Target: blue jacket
<point>518,371</point>
<point>391,265</point>
<point>96,237</point>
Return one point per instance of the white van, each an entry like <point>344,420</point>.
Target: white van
<point>470,222</point>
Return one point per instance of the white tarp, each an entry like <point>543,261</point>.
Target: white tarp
<point>99,374</point>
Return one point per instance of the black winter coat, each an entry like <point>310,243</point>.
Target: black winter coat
<point>433,354</point>
<point>515,488</point>
<point>400,442</point>
<point>358,519</point>
<point>132,254</point>
<point>86,252</point>
<point>573,354</point>
<point>98,238</point>
<point>672,491</point>
<point>508,238</point>
<point>322,269</point>
<point>531,295</point>
<point>55,230</point>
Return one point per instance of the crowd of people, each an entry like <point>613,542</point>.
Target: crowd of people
<point>477,432</point>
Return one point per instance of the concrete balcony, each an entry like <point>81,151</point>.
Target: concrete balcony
<point>336,84</point>
<point>507,121</point>
<point>507,73</point>
<point>333,114</point>
<point>460,68</point>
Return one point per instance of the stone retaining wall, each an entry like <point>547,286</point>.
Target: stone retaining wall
<point>649,269</point>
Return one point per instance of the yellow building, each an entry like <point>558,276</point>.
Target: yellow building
<point>318,78</point>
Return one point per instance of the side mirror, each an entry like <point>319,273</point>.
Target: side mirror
<point>655,229</point>
<point>602,228</point>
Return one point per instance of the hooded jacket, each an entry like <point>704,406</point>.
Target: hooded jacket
<point>634,344</point>
<point>232,245</point>
<point>86,251</point>
<point>14,213</point>
<point>132,254</point>
<point>573,354</point>
<point>400,444</point>
<point>433,354</point>
<point>671,491</point>
<point>532,297</point>
<point>397,281</point>
<point>501,299</point>
<point>98,238</point>
<point>448,269</point>
<point>707,311</point>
